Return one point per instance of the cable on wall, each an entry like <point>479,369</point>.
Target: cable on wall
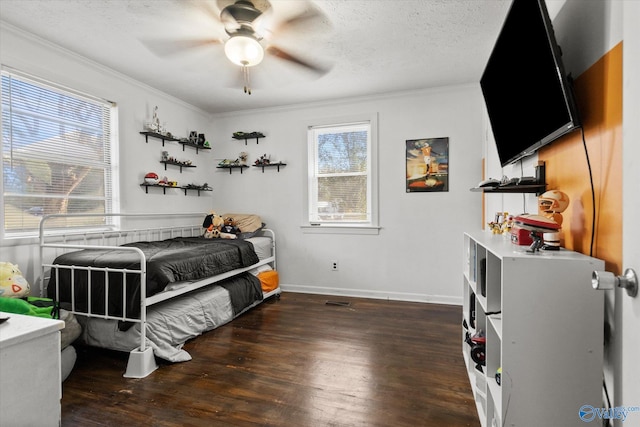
<point>593,194</point>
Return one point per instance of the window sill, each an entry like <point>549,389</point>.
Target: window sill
<point>340,229</point>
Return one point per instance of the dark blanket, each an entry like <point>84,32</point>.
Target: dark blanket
<point>244,291</point>
<point>168,261</point>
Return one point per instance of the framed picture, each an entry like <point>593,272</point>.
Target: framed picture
<point>427,165</point>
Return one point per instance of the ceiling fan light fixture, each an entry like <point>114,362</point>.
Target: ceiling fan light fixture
<point>244,50</point>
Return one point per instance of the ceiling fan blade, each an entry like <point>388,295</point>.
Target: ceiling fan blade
<point>207,9</point>
<point>311,18</point>
<point>174,47</point>
<point>279,53</point>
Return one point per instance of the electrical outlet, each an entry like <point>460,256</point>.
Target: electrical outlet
<point>334,265</point>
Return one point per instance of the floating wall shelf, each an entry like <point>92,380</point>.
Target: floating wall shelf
<point>529,188</point>
<point>196,146</point>
<point>232,167</point>
<point>181,165</point>
<point>268,165</point>
<point>247,136</point>
<point>157,135</point>
<point>164,188</point>
<point>537,187</point>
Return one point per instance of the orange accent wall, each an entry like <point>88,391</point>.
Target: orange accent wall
<point>599,96</point>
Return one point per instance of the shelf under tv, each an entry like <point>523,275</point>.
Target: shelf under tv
<point>528,188</point>
<point>538,187</point>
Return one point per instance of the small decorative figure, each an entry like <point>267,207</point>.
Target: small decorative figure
<point>156,120</point>
<point>263,160</point>
<point>151,178</point>
<point>243,157</point>
<point>502,223</point>
<point>551,204</point>
<point>193,137</point>
<point>537,225</point>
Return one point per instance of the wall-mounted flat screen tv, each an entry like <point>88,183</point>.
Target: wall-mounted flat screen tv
<point>529,97</point>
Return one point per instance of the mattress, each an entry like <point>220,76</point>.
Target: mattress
<point>171,323</point>
<point>262,246</point>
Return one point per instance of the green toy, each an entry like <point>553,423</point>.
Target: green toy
<point>14,295</point>
<point>21,306</point>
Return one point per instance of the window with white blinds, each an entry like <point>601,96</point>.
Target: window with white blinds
<point>340,174</point>
<point>56,155</point>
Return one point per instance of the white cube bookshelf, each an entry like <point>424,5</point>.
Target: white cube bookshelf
<point>544,327</point>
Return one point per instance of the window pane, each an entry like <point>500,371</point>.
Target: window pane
<point>342,152</point>
<point>56,154</point>
<point>339,185</point>
<point>342,198</point>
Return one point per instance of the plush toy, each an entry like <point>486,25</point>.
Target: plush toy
<point>211,233</point>
<point>21,306</point>
<point>213,221</point>
<point>230,226</point>
<point>213,227</point>
<point>12,283</point>
<point>14,294</point>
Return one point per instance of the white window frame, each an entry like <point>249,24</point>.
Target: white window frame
<point>112,198</point>
<point>342,227</point>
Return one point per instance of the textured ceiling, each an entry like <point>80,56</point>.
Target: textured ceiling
<point>370,46</point>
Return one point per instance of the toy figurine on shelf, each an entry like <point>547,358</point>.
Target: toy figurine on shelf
<point>243,157</point>
<point>538,226</point>
<point>551,204</point>
<point>263,160</point>
<point>502,223</point>
<point>156,120</point>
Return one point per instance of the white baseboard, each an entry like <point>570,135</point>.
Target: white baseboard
<point>362,293</point>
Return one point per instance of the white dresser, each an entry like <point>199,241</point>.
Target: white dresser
<point>30,385</point>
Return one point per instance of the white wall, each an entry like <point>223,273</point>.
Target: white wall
<point>135,104</point>
<point>417,254</point>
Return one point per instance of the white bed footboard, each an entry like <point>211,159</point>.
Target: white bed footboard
<point>54,241</point>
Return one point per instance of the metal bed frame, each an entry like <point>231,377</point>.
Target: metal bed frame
<point>141,360</point>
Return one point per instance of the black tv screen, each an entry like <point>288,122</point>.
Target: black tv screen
<point>529,97</point>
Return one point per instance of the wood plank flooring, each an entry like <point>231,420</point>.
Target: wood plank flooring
<point>294,361</point>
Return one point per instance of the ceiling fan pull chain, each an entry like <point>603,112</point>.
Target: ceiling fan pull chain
<point>247,82</point>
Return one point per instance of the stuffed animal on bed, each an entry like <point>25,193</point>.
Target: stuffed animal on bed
<point>230,226</point>
<point>212,221</point>
<point>12,283</point>
<point>213,224</point>
<point>211,232</point>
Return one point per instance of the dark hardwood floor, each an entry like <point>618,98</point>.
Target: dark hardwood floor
<point>293,361</point>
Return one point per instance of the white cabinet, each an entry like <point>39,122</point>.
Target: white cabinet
<point>30,385</point>
<point>543,324</point>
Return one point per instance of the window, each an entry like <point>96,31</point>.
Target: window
<point>341,174</point>
<point>57,155</point>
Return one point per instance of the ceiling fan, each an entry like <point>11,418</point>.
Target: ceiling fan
<point>251,26</point>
